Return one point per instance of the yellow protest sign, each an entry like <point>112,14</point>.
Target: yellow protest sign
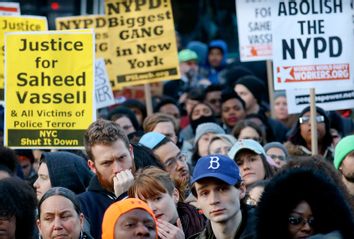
<point>143,42</point>
<point>100,26</point>
<point>50,97</point>
<point>17,24</point>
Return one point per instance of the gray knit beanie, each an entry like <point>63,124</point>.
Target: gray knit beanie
<point>276,145</point>
<point>207,128</point>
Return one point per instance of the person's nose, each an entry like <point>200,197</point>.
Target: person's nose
<point>181,164</point>
<point>306,227</point>
<point>116,167</point>
<point>213,198</point>
<point>57,223</point>
<point>142,230</point>
<point>246,164</point>
<point>35,184</point>
<point>152,206</point>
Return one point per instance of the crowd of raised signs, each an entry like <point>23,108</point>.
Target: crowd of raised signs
<point>210,162</point>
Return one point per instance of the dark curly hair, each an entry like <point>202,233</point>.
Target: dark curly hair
<point>290,187</point>
<point>19,200</point>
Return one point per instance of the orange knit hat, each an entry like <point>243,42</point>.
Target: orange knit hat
<point>117,209</point>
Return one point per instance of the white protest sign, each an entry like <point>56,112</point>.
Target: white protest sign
<point>341,98</point>
<point>103,90</point>
<point>312,47</point>
<point>10,9</point>
<point>254,29</point>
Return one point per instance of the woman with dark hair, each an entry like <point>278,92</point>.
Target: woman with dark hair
<point>60,215</point>
<point>302,203</point>
<point>200,113</point>
<point>232,109</point>
<point>138,108</point>
<point>247,129</point>
<point>127,120</point>
<point>17,209</point>
<point>316,163</point>
<point>299,143</point>
<point>250,157</point>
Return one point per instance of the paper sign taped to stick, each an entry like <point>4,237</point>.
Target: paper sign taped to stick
<point>338,99</point>
<point>50,97</point>
<point>312,47</point>
<point>254,22</point>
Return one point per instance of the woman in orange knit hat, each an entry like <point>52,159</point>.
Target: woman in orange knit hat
<point>128,219</point>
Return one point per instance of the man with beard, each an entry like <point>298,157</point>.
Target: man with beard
<point>111,159</point>
<point>344,162</point>
<point>168,154</point>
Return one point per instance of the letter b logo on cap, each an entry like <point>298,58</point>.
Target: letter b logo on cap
<point>214,162</point>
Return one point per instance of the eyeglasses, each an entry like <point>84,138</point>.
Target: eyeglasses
<point>280,157</point>
<point>297,220</point>
<point>172,162</point>
<point>306,119</point>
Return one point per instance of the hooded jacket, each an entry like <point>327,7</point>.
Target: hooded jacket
<point>67,170</point>
<point>210,72</point>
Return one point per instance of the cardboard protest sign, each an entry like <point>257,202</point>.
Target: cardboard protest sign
<point>17,24</point>
<point>312,47</point>
<point>10,9</point>
<point>103,90</point>
<point>340,98</point>
<point>49,88</point>
<point>254,22</point>
<point>143,42</point>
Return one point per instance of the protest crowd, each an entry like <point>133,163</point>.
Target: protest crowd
<point>214,159</point>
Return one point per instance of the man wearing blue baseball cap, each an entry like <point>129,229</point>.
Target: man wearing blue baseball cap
<point>218,187</point>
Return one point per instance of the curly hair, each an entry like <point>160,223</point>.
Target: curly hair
<point>19,200</point>
<point>290,187</point>
<point>103,132</point>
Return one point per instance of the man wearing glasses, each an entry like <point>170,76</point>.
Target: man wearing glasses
<point>168,154</point>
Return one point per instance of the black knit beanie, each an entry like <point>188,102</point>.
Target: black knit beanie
<point>254,85</point>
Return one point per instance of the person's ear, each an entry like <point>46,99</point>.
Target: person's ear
<point>131,151</point>
<point>91,165</point>
<point>39,226</point>
<point>175,195</point>
<point>242,190</point>
<point>82,220</point>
